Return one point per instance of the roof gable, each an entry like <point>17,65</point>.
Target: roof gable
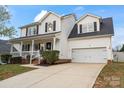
<point>47,14</point>
<point>106,28</point>
<point>82,17</point>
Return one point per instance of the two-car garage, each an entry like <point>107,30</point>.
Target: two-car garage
<point>90,50</point>
<point>89,55</point>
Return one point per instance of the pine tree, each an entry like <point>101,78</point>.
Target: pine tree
<point>122,48</point>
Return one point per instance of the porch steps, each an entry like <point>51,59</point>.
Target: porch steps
<point>63,61</point>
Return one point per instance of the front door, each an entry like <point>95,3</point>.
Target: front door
<point>42,47</point>
<point>48,46</point>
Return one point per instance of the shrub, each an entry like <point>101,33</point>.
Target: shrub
<point>50,56</point>
<point>16,60</point>
<point>6,58</point>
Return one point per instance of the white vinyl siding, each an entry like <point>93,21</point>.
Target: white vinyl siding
<point>49,20</point>
<point>88,24</point>
<point>91,43</point>
<point>23,32</point>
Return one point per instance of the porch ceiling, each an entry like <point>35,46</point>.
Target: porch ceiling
<point>35,37</point>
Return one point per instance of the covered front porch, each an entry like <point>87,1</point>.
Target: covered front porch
<point>34,46</point>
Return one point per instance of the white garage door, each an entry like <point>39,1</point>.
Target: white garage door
<point>89,55</point>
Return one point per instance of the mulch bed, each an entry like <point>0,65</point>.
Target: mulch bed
<point>46,65</point>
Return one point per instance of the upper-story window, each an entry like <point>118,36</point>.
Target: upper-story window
<point>88,27</point>
<point>50,26</point>
<point>32,31</point>
<point>29,32</point>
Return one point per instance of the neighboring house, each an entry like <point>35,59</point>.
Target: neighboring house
<point>4,48</point>
<point>86,40</point>
<point>118,56</point>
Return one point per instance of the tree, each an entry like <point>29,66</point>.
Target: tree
<point>5,29</point>
<point>117,48</point>
<point>122,48</point>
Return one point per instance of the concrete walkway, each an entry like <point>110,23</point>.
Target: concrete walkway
<point>71,75</point>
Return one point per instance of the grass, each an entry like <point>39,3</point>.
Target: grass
<point>114,69</point>
<point>10,70</point>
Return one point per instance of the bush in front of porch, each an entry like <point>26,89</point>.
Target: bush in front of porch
<point>19,60</point>
<point>50,56</point>
<point>6,58</point>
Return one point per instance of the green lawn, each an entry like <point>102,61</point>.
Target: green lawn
<point>10,70</point>
<point>115,69</point>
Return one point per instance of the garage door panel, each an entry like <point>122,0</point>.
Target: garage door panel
<point>92,55</point>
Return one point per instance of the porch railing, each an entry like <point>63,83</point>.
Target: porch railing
<point>25,54</point>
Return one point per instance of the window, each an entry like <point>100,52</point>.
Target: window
<point>36,47</point>
<point>26,47</point>
<point>90,27</point>
<point>29,32</point>
<point>84,28</point>
<point>48,45</point>
<point>32,31</point>
<point>54,25</point>
<point>46,27</point>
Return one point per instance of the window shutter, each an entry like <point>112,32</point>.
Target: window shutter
<point>54,25</point>
<point>39,46</point>
<point>46,27</point>
<point>95,26</point>
<point>80,28</point>
<point>23,47</point>
<point>26,31</point>
<point>37,29</point>
<point>28,47</point>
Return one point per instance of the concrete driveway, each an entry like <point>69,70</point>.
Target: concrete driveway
<point>71,75</point>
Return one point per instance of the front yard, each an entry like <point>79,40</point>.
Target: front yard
<point>112,76</point>
<point>10,70</point>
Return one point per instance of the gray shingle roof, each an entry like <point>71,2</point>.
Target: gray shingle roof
<point>31,24</point>
<point>34,36</point>
<point>106,28</point>
<point>4,47</point>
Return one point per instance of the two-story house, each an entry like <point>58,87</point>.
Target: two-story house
<point>84,40</point>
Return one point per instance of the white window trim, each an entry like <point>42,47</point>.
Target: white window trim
<point>87,31</point>
<point>32,30</point>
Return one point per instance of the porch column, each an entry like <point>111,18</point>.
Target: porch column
<point>21,48</point>
<point>11,48</point>
<point>32,49</point>
<point>54,42</point>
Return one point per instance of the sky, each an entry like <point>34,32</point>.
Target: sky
<point>25,14</point>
